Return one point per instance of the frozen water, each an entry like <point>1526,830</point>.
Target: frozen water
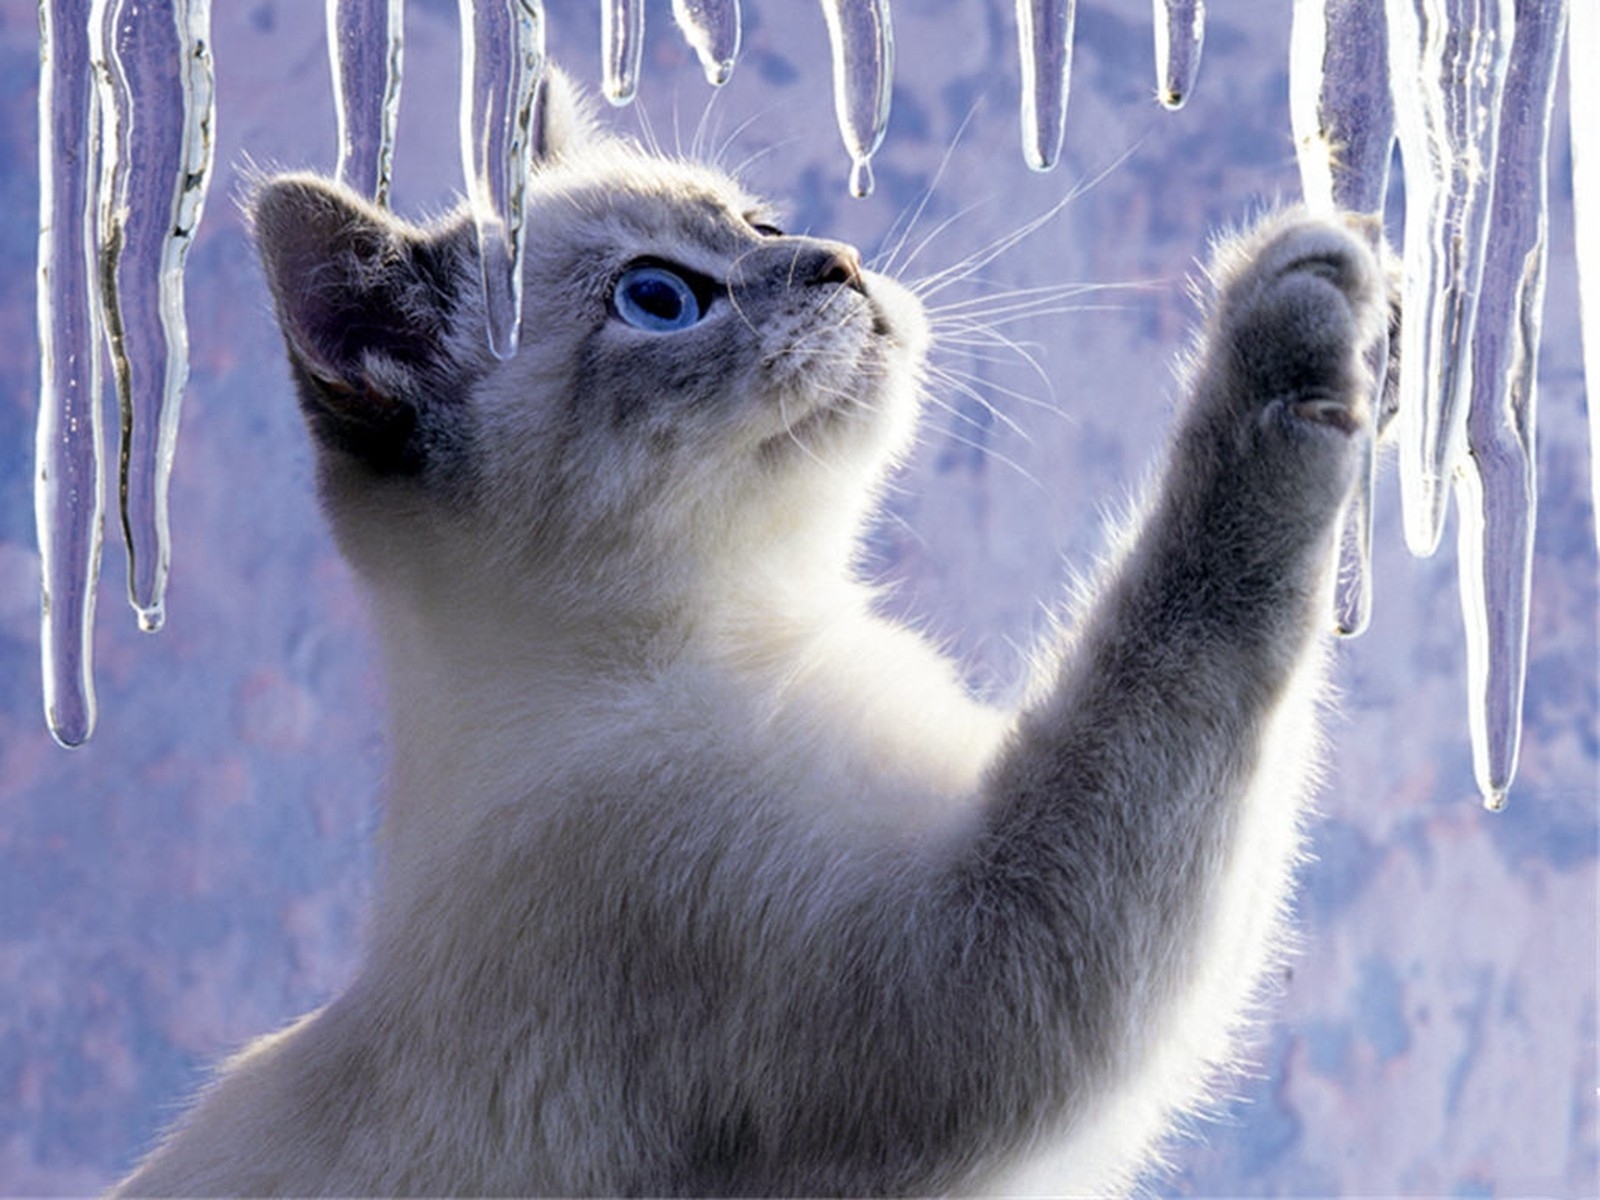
<point>1583,50</point>
<point>1180,27</point>
<point>1448,71</point>
<point>622,44</point>
<point>69,492</point>
<point>1339,104</point>
<point>863,75</point>
<point>365,44</point>
<point>153,63</point>
<point>1451,60</point>
<point>502,62</point>
<point>1044,40</point>
<point>712,29</point>
<point>1497,487</point>
<point>1342,116</point>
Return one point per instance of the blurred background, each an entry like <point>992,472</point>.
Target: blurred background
<point>199,872</point>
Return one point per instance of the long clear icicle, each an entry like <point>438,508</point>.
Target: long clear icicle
<point>621,48</point>
<point>1497,487</point>
<point>69,492</point>
<point>1583,51</point>
<point>365,47</point>
<point>863,76</point>
<point>1044,35</point>
<point>1180,28</point>
<point>502,63</point>
<point>156,104</point>
<point>1449,63</point>
<point>1343,120</point>
<point>711,27</point>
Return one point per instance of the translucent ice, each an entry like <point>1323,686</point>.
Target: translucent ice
<point>621,46</point>
<point>364,51</point>
<point>1449,64</point>
<point>1343,121</point>
<point>1180,32</point>
<point>502,62</point>
<point>153,63</point>
<point>1497,488</point>
<point>863,74</point>
<point>69,493</point>
<point>1339,104</point>
<point>1044,34</point>
<point>712,29</point>
<point>1583,50</point>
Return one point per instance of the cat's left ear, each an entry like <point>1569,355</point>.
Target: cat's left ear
<point>563,118</point>
<point>373,312</point>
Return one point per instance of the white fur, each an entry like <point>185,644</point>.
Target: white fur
<point>697,874</point>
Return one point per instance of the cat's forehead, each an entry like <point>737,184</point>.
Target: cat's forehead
<point>635,196</point>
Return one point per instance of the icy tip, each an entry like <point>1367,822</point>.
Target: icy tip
<point>70,729</point>
<point>718,73</point>
<point>1172,100</point>
<point>1346,625</point>
<point>620,92</point>
<point>1039,160</point>
<point>151,617</point>
<point>861,181</point>
<point>1495,800</point>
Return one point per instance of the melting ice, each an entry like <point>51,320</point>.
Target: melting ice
<point>1472,84</point>
<point>364,51</point>
<point>502,62</point>
<point>1044,34</point>
<point>1180,28</point>
<point>863,75</point>
<point>1342,117</point>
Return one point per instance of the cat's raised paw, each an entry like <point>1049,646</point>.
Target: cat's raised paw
<point>1301,302</point>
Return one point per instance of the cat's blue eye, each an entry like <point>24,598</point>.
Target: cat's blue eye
<point>656,299</point>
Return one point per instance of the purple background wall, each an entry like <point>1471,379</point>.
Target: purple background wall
<point>198,873</point>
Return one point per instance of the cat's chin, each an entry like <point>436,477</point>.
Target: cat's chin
<point>813,429</point>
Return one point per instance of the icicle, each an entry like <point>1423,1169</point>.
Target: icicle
<point>863,76</point>
<point>1044,30</point>
<point>1343,121</point>
<point>156,95</point>
<point>1497,489</point>
<point>502,62</point>
<point>1583,50</point>
<point>621,47</point>
<point>365,43</point>
<point>69,492</point>
<point>1449,62</point>
<point>711,27</point>
<point>1180,33</point>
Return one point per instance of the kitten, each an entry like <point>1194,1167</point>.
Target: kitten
<point>698,876</point>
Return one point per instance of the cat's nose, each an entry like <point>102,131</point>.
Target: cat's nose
<point>838,263</point>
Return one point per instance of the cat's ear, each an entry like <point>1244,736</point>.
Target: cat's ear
<point>563,119</point>
<point>371,310</point>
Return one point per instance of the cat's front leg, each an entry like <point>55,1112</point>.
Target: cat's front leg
<point>1143,821</point>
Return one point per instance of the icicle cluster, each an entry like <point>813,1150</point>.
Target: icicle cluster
<point>1464,86</point>
<point>125,104</point>
<point>1473,87</point>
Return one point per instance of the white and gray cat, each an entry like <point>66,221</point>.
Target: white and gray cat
<point>699,876</point>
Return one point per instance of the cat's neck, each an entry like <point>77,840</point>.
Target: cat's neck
<point>481,676</point>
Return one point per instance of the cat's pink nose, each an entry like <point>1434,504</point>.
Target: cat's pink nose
<point>840,264</point>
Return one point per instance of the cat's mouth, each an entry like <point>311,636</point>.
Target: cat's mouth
<point>839,374</point>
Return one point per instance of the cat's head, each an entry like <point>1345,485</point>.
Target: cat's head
<point>691,381</point>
